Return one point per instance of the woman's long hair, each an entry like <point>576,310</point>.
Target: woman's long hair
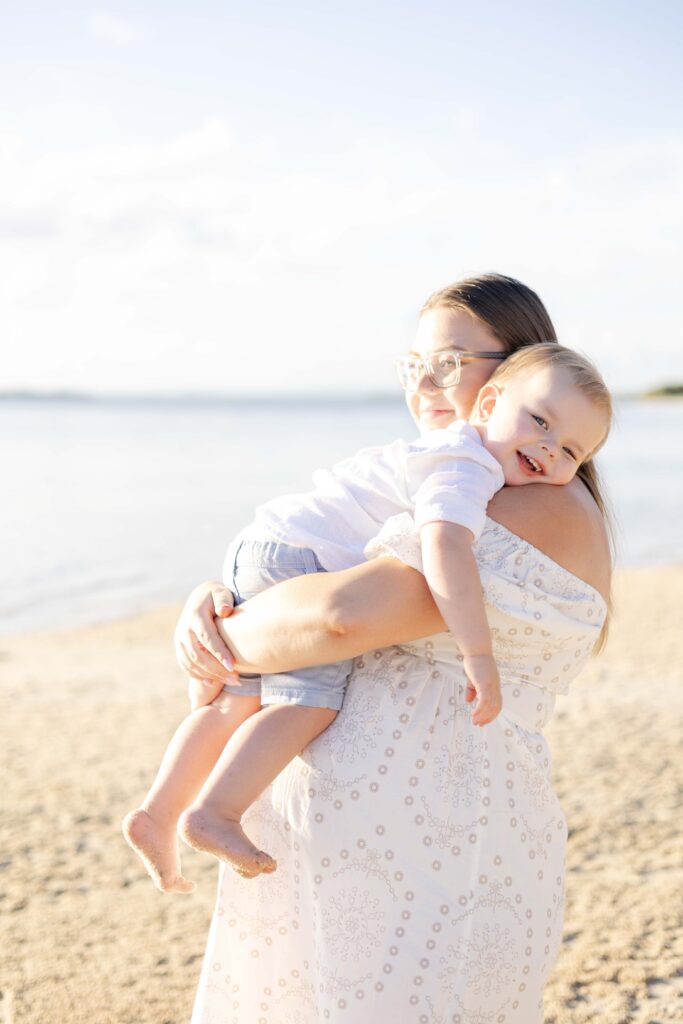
<point>510,310</point>
<point>517,317</point>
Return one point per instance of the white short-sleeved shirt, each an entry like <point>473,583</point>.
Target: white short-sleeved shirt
<point>445,476</point>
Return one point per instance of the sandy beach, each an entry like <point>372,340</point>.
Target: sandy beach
<point>86,939</point>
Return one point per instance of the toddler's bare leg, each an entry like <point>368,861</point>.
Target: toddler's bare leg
<point>255,755</point>
<point>187,763</point>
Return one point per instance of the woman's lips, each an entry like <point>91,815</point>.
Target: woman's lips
<point>430,413</point>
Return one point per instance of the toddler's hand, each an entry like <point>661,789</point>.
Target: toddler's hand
<point>484,684</point>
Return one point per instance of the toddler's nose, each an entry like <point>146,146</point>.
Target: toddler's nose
<point>550,449</point>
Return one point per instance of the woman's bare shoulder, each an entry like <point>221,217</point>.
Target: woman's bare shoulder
<point>564,523</point>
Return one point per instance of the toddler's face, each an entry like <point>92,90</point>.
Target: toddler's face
<point>442,330</point>
<point>539,426</point>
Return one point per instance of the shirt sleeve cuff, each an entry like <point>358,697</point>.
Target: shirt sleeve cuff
<point>468,515</point>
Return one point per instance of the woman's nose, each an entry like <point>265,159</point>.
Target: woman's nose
<point>424,383</point>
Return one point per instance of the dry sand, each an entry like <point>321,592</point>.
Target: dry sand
<point>86,939</point>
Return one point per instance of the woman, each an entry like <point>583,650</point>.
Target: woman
<point>420,859</point>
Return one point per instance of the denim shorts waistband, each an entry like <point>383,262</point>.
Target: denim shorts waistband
<point>257,551</point>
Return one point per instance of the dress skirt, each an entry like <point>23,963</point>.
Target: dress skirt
<point>420,865</point>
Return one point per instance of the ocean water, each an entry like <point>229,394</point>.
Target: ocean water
<point>111,507</point>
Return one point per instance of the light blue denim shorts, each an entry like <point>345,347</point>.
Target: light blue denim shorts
<point>251,566</point>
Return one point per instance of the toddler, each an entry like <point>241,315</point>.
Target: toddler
<point>543,413</point>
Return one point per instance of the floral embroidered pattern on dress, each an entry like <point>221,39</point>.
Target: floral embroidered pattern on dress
<point>420,859</point>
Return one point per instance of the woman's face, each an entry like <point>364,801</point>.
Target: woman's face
<point>448,329</point>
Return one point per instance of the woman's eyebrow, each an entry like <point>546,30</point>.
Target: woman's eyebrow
<point>446,348</point>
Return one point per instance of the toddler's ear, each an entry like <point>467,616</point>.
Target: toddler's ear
<point>486,402</point>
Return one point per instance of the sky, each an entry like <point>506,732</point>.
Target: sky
<point>257,197</point>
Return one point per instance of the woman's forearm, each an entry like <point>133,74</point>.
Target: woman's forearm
<point>326,617</point>
<point>331,616</point>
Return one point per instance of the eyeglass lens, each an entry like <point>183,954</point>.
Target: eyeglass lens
<point>442,368</point>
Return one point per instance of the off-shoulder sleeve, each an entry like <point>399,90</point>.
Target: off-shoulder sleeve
<point>398,538</point>
<point>544,620</point>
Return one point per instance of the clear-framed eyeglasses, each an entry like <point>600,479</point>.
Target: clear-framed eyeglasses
<point>442,368</point>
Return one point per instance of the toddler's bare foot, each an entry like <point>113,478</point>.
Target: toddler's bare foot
<point>157,847</point>
<point>226,840</point>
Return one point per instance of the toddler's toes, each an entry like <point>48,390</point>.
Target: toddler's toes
<point>157,848</point>
<point>266,863</point>
<point>181,885</point>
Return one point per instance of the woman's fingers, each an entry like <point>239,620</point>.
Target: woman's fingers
<point>184,660</point>
<point>196,661</point>
<point>200,650</point>
<point>206,639</point>
<point>203,625</point>
<point>204,661</point>
<point>223,601</point>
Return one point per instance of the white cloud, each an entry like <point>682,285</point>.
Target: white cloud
<point>113,29</point>
<point>162,266</point>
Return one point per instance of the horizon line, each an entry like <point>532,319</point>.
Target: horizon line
<point>66,396</point>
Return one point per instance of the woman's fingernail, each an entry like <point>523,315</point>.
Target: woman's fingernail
<point>228,664</point>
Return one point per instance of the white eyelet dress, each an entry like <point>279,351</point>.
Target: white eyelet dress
<point>420,859</point>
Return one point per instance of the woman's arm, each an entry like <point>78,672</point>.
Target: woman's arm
<point>325,617</point>
<point>330,616</point>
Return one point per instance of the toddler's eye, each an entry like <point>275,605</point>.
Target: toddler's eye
<point>541,422</point>
<point>570,453</point>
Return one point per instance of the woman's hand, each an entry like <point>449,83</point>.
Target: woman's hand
<point>199,648</point>
<point>202,692</point>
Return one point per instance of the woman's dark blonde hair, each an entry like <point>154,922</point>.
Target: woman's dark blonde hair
<point>510,310</point>
<point>516,316</point>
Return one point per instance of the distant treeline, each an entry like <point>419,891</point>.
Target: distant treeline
<point>666,391</point>
<point>44,396</point>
